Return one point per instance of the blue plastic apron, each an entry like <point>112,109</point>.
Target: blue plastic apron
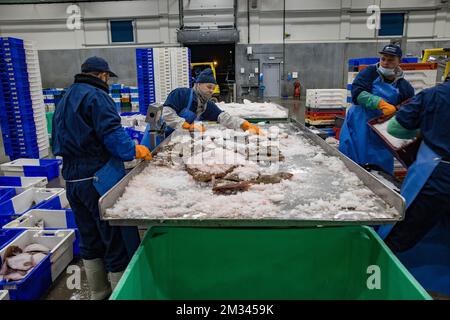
<point>104,179</point>
<point>357,139</point>
<point>418,174</point>
<point>186,113</point>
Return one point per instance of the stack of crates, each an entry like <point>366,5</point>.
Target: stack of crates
<point>159,71</point>
<point>115,94</point>
<point>163,73</point>
<point>125,98</point>
<point>145,78</point>
<point>323,105</point>
<point>134,99</point>
<point>52,97</point>
<point>180,66</point>
<point>22,109</point>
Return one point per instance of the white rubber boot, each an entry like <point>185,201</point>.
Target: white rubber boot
<point>97,279</point>
<point>114,278</point>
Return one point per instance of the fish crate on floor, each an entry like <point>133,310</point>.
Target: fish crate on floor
<point>264,263</point>
<point>32,168</point>
<point>38,219</point>
<point>22,183</point>
<point>41,277</point>
<point>42,198</point>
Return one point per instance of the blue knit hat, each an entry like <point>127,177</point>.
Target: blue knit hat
<point>206,76</point>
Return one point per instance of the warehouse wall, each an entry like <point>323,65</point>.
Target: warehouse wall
<point>319,65</point>
<point>157,20</point>
<point>338,25</point>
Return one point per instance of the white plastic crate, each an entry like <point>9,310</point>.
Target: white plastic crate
<point>35,196</point>
<point>23,183</point>
<point>52,219</point>
<point>4,295</point>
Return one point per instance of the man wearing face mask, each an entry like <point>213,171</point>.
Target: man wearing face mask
<point>185,106</point>
<point>88,134</point>
<point>375,91</point>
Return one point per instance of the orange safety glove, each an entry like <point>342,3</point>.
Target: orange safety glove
<point>247,126</point>
<point>387,108</point>
<point>194,127</point>
<point>142,152</point>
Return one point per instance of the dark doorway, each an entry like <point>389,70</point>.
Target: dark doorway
<point>223,56</point>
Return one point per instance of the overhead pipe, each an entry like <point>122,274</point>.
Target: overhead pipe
<point>181,13</point>
<point>248,21</point>
<point>284,39</point>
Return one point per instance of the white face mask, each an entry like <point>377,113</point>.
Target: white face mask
<point>386,72</point>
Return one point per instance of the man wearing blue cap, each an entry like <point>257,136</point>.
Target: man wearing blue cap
<point>88,134</point>
<point>375,91</point>
<point>184,106</point>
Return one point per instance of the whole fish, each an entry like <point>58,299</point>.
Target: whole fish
<point>22,261</point>
<point>38,257</point>
<point>36,247</point>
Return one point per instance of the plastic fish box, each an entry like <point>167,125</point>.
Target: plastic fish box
<point>39,280</point>
<point>6,194</point>
<point>4,295</point>
<point>7,236</point>
<point>43,198</point>
<point>32,168</point>
<point>265,263</point>
<point>51,219</point>
<point>22,183</point>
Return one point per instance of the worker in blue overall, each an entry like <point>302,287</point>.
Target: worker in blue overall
<point>88,134</point>
<point>376,91</point>
<point>185,106</point>
<point>426,188</point>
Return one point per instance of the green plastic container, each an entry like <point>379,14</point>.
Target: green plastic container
<point>221,263</point>
<point>49,116</point>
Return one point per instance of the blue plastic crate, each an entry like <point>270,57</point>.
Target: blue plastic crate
<point>7,235</point>
<point>11,40</point>
<point>126,114</point>
<point>40,278</point>
<point>31,199</point>
<point>34,285</point>
<point>134,134</point>
<point>6,194</point>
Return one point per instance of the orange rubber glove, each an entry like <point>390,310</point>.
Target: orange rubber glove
<point>247,126</point>
<point>142,152</point>
<point>387,108</point>
<point>194,127</point>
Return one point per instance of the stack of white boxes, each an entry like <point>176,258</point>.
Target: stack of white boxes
<point>421,79</point>
<point>180,67</point>
<point>162,73</point>
<point>37,97</point>
<point>323,105</point>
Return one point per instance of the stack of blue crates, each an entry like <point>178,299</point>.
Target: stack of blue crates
<point>52,97</point>
<point>146,80</point>
<point>16,108</point>
<point>353,64</point>
<point>115,94</point>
